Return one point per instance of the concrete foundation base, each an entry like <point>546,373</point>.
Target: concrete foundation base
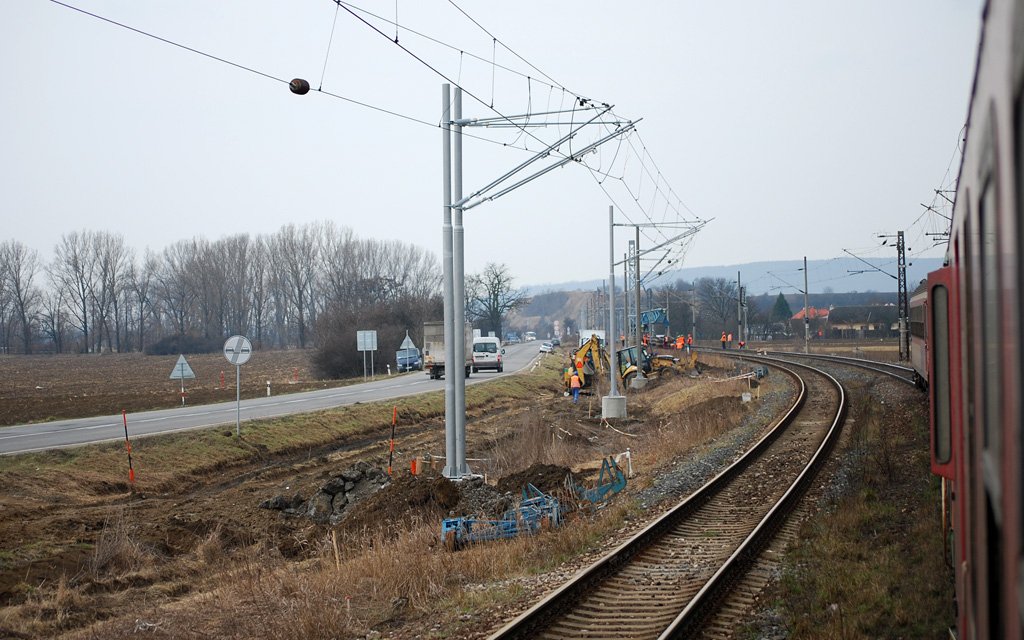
<point>613,407</point>
<point>639,383</point>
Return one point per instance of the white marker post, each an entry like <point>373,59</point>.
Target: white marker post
<point>237,350</point>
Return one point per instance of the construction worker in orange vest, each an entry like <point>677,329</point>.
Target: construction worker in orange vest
<point>689,342</point>
<point>730,341</point>
<point>574,384</point>
<point>723,339</point>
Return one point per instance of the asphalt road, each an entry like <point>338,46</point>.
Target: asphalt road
<point>70,433</point>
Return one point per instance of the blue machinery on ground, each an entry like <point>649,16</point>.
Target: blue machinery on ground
<point>537,510</point>
<point>593,499</point>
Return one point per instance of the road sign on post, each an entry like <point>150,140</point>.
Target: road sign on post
<point>367,341</point>
<point>181,371</point>
<point>237,350</point>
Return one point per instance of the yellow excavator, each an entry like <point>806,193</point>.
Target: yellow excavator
<point>592,360</point>
<point>588,361</point>
<point>654,365</point>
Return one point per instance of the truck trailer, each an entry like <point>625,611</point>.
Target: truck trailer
<point>433,349</point>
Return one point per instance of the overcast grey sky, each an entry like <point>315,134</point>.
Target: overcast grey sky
<point>799,127</point>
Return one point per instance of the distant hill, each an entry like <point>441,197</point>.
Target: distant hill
<point>837,275</point>
<point>840,282</point>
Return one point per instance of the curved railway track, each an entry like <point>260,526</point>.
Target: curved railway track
<point>897,371</point>
<point>669,579</point>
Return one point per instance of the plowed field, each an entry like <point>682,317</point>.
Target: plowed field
<point>57,387</point>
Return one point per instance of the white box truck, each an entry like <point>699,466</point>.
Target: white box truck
<point>433,349</point>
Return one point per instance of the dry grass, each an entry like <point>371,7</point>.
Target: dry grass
<point>381,578</point>
<point>117,552</point>
<point>872,565</point>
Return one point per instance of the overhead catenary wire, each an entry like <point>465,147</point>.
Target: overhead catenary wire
<point>660,187</point>
<point>390,112</point>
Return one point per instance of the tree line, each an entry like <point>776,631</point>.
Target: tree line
<point>282,290</point>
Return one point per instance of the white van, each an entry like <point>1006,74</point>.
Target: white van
<point>487,354</point>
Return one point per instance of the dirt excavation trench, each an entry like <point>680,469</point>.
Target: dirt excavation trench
<point>322,542</point>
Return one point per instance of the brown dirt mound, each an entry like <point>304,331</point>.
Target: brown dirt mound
<point>548,478</point>
<point>426,497</point>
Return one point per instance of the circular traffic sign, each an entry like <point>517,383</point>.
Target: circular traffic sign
<point>237,349</point>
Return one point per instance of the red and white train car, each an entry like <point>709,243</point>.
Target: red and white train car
<point>919,351</point>
<point>974,329</point>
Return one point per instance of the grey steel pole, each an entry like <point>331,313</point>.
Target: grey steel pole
<point>459,296</point>
<point>807,321</point>
<point>743,295</point>
<point>639,342</point>
<point>238,400</point>
<point>446,268</point>
<point>610,342</point>
<point>739,308</point>
<point>693,309</point>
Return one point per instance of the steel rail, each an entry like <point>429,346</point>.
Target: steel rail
<point>539,617</point>
<point>869,365</point>
<point>703,605</point>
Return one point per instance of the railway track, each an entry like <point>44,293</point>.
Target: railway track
<point>669,579</point>
<point>897,371</point>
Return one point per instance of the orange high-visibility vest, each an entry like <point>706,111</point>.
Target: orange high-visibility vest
<point>689,339</point>
<point>574,381</point>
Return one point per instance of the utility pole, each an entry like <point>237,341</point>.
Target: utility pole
<point>739,308</point>
<point>639,343</point>
<point>693,309</point>
<point>743,296</point>
<point>902,285</point>
<point>807,320</point>
<point>449,296</point>
<point>613,405</point>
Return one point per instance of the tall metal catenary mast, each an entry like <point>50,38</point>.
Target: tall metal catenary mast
<point>453,264</point>
<point>901,273</point>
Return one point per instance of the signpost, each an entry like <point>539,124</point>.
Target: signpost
<point>367,341</point>
<point>237,350</point>
<point>407,344</point>
<point>182,370</point>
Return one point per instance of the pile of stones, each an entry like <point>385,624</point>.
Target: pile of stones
<point>334,497</point>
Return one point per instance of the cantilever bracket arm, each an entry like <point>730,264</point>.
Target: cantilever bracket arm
<point>479,198</point>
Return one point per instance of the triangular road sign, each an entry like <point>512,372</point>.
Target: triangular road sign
<point>182,370</point>
<point>407,343</point>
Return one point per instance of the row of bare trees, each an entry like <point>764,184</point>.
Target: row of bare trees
<point>97,294</point>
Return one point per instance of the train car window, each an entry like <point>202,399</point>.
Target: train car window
<point>940,374</point>
<point>917,321</point>
<point>991,339</point>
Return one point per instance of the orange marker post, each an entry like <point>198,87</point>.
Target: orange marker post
<point>131,472</point>
<point>391,456</point>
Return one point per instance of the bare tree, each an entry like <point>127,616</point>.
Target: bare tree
<point>140,286</point>
<point>490,297</point>
<point>53,320</point>
<point>717,298</point>
<point>260,280</point>
<point>21,265</point>
<point>174,287</point>
<point>110,258</point>
<point>72,272</point>
<point>208,279</point>
<point>295,251</point>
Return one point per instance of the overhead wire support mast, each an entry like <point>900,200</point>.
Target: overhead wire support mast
<point>478,197</point>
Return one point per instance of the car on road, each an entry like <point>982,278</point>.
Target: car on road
<point>487,353</point>
<point>555,342</point>
<point>547,347</point>
<point>409,360</point>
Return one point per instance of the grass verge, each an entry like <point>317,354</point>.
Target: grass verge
<point>870,565</point>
